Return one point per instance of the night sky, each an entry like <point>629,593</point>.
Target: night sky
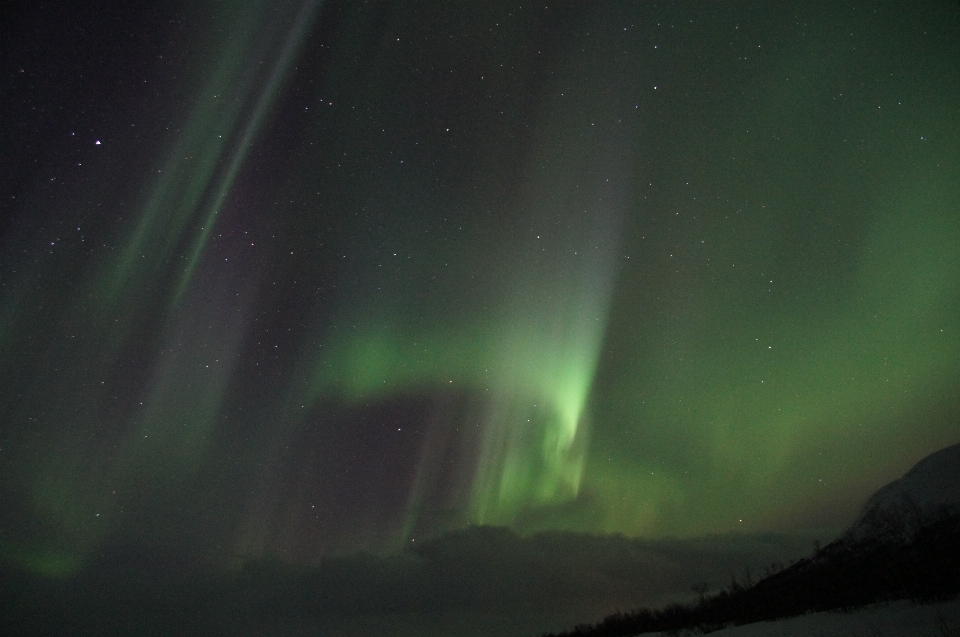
<point>296,279</point>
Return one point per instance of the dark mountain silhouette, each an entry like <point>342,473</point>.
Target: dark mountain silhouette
<point>904,545</point>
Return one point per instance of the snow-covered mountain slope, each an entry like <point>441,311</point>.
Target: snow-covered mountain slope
<point>931,484</point>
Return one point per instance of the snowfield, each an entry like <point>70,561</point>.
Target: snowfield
<point>898,619</point>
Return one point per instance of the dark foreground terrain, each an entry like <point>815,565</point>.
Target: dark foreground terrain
<point>894,553</point>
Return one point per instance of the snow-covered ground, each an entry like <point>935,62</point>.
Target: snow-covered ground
<point>899,619</point>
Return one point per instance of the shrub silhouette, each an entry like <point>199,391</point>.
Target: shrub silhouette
<point>894,552</point>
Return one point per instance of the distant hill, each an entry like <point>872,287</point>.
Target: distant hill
<point>932,483</point>
<point>931,487</point>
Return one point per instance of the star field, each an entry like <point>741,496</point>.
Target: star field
<point>302,278</point>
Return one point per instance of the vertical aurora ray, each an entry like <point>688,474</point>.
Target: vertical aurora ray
<point>528,376</point>
<point>523,350</point>
<point>159,284</point>
<point>263,100</point>
<point>546,352</point>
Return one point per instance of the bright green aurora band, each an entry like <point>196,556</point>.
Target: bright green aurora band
<point>637,298</point>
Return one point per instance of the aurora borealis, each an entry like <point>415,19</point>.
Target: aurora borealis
<point>303,278</point>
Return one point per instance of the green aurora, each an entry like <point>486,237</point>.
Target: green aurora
<point>658,272</point>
